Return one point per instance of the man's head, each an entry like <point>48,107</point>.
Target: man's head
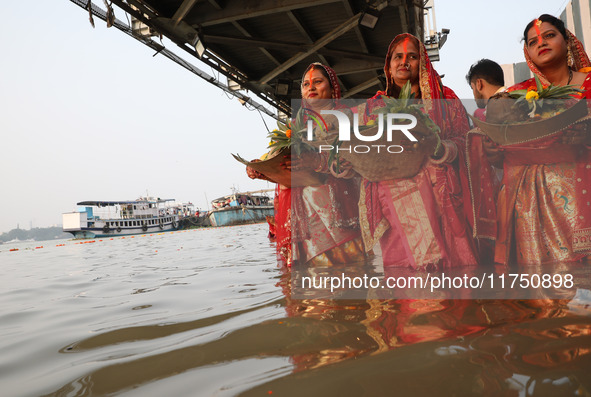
<point>485,77</point>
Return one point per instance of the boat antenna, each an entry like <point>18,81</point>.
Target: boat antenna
<point>206,201</point>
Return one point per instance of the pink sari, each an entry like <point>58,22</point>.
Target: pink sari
<point>422,221</point>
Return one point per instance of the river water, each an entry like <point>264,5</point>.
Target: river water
<point>208,312</point>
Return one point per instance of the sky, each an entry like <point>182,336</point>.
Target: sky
<point>91,114</point>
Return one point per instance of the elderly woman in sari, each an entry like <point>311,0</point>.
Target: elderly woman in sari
<point>544,210</point>
<point>421,221</point>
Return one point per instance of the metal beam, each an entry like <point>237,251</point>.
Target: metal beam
<point>333,34</point>
<point>254,42</point>
<point>403,17</point>
<point>182,11</point>
<point>418,18</point>
<point>349,10</point>
<point>362,42</point>
<point>263,49</point>
<point>215,4</point>
<point>369,83</point>
<point>296,21</point>
<point>241,9</point>
<point>358,66</point>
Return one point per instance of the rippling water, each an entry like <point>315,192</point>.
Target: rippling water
<point>208,312</point>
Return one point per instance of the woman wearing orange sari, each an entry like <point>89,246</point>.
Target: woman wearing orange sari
<point>544,207</point>
<point>421,221</point>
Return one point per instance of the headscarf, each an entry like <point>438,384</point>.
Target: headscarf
<point>450,115</point>
<point>334,85</point>
<point>332,78</point>
<point>581,59</point>
<point>429,80</point>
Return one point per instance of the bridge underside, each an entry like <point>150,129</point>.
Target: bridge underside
<point>261,47</point>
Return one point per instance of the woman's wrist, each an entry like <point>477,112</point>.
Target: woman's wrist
<point>447,153</point>
<point>322,164</point>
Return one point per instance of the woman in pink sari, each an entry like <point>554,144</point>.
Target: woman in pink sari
<point>421,221</point>
<point>544,207</point>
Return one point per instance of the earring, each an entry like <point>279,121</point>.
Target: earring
<point>569,58</point>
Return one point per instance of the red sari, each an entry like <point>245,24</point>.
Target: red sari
<point>543,209</point>
<point>282,208</point>
<point>280,225</point>
<point>325,221</point>
<point>543,212</point>
<point>422,220</point>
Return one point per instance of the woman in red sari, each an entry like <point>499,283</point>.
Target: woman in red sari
<point>544,207</point>
<point>421,221</point>
<point>317,225</point>
<point>325,221</point>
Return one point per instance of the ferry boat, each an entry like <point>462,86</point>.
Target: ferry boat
<point>119,218</point>
<point>241,208</point>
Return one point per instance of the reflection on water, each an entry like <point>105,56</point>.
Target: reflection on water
<point>208,313</point>
<point>446,347</point>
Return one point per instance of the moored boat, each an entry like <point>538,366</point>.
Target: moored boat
<point>118,218</point>
<point>241,208</point>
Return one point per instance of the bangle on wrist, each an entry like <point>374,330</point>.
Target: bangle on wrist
<point>449,154</point>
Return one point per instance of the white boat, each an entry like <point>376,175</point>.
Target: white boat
<point>119,218</point>
<point>241,208</point>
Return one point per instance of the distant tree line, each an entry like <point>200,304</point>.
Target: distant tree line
<point>37,234</point>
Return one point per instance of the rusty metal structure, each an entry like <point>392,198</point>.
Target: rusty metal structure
<point>260,48</point>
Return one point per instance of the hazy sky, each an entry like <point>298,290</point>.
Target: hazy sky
<point>90,114</point>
